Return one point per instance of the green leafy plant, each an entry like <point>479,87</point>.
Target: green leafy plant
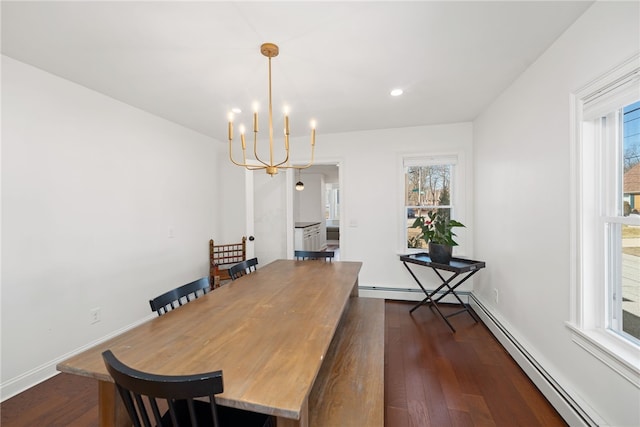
<point>437,228</point>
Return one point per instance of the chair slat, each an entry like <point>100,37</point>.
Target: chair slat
<point>177,297</point>
<point>181,392</point>
<point>314,255</point>
<point>155,409</point>
<point>243,268</point>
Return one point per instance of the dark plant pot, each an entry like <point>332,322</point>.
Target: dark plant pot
<point>440,254</point>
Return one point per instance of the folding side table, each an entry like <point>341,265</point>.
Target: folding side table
<point>462,270</point>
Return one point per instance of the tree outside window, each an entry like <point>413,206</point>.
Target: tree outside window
<point>427,188</point>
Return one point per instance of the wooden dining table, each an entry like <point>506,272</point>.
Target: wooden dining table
<point>268,332</point>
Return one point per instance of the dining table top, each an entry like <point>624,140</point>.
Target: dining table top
<point>267,331</point>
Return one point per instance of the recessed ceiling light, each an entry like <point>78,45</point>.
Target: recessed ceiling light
<point>396,92</point>
<point>236,110</point>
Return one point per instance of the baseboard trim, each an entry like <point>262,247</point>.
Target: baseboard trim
<point>404,294</point>
<point>568,407</point>
<point>35,376</point>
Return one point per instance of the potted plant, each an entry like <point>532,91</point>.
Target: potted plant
<point>437,231</point>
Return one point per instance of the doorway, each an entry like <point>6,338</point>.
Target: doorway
<point>320,202</point>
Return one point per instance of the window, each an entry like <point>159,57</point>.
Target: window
<point>428,187</point>
<point>606,233</point>
<point>332,198</point>
<point>619,216</point>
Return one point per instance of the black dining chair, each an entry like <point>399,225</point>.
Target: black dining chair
<point>176,297</point>
<point>315,255</point>
<point>243,268</point>
<point>176,400</point>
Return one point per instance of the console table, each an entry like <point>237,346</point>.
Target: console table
<point>461,269</point>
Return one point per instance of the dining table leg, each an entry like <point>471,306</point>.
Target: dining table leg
<point>112,410</point>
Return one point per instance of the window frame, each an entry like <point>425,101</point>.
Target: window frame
<point>456,196</point>
<point>594,171</point>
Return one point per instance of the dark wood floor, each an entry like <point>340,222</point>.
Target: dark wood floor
<point>432,378</point>
<point>436,378</point>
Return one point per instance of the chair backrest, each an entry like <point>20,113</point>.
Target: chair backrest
<point>179,296</point>
<point>225,255</point>
<point>146,395</point>
<point>325,255</point>
<point>243,268</point>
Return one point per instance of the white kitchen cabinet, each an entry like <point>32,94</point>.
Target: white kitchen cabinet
<point>307,237</point>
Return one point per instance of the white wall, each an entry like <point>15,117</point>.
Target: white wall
<point>231,205</point>
<point>521,147</point>
<point>270,215</point>
<point>371,194</point>
<point>90,189</point>
<point>309,203</point>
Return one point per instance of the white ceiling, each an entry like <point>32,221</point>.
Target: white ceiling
<point>191,62</point>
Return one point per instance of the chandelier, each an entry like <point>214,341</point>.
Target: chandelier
<point>269,50</point>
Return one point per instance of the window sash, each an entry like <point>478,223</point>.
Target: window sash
<point>597,211</point>
<point>426,161</point>
<point>611,96</point>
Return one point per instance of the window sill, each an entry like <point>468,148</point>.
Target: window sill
<point>619,355</point>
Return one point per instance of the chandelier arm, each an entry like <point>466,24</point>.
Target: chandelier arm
<point>310,161</point>
<point>231,155</point>
<point>286,147</point>
<point>244,164</point>
<point>286,160</point>
<point>244,155</point>
<point>313,146</point>
<point>255,150</point>
<point>244,149</point>
<point>297,167</point>
<point>286,144</point>
<point>247,166</point>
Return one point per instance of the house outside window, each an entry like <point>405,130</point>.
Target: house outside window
<point>626,315</point>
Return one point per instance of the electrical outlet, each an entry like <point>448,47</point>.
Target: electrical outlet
<point>95,315</point>
<point>495,295</point>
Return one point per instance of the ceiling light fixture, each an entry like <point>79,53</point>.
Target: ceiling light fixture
<point>299,184</point>
<point>269,50</point>
<point>396,92</point>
